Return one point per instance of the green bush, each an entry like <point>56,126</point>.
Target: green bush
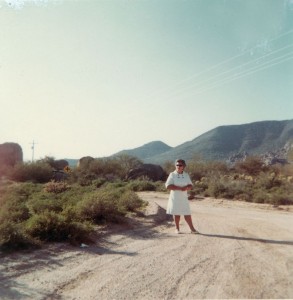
<point>217,189</point>
<point>13,204</point>
<point>14,237</point>
<point>51,226</point>
<point>47,226</point>
<point>45,201</point>
<point>129,201</point>
<point>160,186</point>
<point>260,196</point>
<point>267,181</point>
<point>116,185</point>
<point>35,172</point>
<point>142,185</point>
<point>110,169</point>
<point>31,213</point>
<point>253,165</point>
<point>99,182</point>
<point>100,206</point>
<point>198,169</point>
<point>281,198</point>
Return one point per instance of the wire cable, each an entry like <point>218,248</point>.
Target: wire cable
<point>213,67</point>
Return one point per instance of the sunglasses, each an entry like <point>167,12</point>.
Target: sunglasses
<point>179,165</point>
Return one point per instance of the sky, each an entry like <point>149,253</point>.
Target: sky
<point>94,77</point>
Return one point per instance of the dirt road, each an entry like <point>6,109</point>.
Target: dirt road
<point>244,251</point>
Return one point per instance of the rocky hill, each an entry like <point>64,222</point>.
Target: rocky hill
<point>224,142</point>
<point>269,139</point>
<point>147,151</point>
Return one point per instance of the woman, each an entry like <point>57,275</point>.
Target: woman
<point>179,183</point>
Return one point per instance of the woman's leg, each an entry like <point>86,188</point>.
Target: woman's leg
<point>177,221</point>
<point>189,222</point>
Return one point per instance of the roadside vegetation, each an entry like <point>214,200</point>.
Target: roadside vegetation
<point>35,209</point>
<point>250,181</point>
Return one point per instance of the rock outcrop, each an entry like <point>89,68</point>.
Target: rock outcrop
<point>10,154</point>
<point>280,156</point>
<point>85,161</point>
<point>148,171</point>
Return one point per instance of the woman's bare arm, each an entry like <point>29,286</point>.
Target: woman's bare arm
<point>179,188</point>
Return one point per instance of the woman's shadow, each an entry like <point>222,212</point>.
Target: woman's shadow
<point>290,243</point>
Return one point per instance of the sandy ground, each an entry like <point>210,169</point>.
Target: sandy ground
<point>244,251</point>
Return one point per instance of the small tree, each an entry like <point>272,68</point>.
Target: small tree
<point>127,162</point>
<point>253,165</point>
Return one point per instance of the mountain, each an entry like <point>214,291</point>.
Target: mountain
<point>146,151</point>
<point>223,141</point>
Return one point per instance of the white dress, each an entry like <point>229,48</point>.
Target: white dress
<point>178,203</point>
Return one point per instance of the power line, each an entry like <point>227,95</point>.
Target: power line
<point>247,73</point>
<point>218,65</point>
<point>207,80</point>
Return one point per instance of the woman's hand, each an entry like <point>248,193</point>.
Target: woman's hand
<point>187,187</point>
<point>179,188</point>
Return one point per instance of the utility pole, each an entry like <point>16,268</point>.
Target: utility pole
<point>33,150</point>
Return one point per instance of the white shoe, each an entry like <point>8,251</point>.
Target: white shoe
<point>194,232</point>
<point>177,231</point>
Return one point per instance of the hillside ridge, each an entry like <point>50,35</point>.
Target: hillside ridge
<point>220,143</point>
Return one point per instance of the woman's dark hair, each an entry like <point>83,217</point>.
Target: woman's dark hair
<point>181,161</point>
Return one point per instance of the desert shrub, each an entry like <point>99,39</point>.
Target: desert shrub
<point>126,162</point>
<point>160,186</point>
<point>247,196</point>
<point>142,185</point>
<point>80,232</point>
<point>14,211</point>
<point>75,194</point>
<point>264,181</point>
<point>44,201</point>
<point>216,189</point>
<point>251,166</point>
<point>199,169</point>
<point>99,182</point>
<point>35,172</point>
<point>14,237</point>
<point>118,184</point>
<point>200,186</point>
<point>226,187</point>
<point>56,187</point>
<point>13,202</point>
<point>260,196</point>
<point>50,226</point>
<point>102,167</point>
<point>281,195</point>
<point>281,198</point>
<point>129,201</point>
<point>100,206</point>
<point>84,179</point>
<point>31,215</point>
<point>21,190</point>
